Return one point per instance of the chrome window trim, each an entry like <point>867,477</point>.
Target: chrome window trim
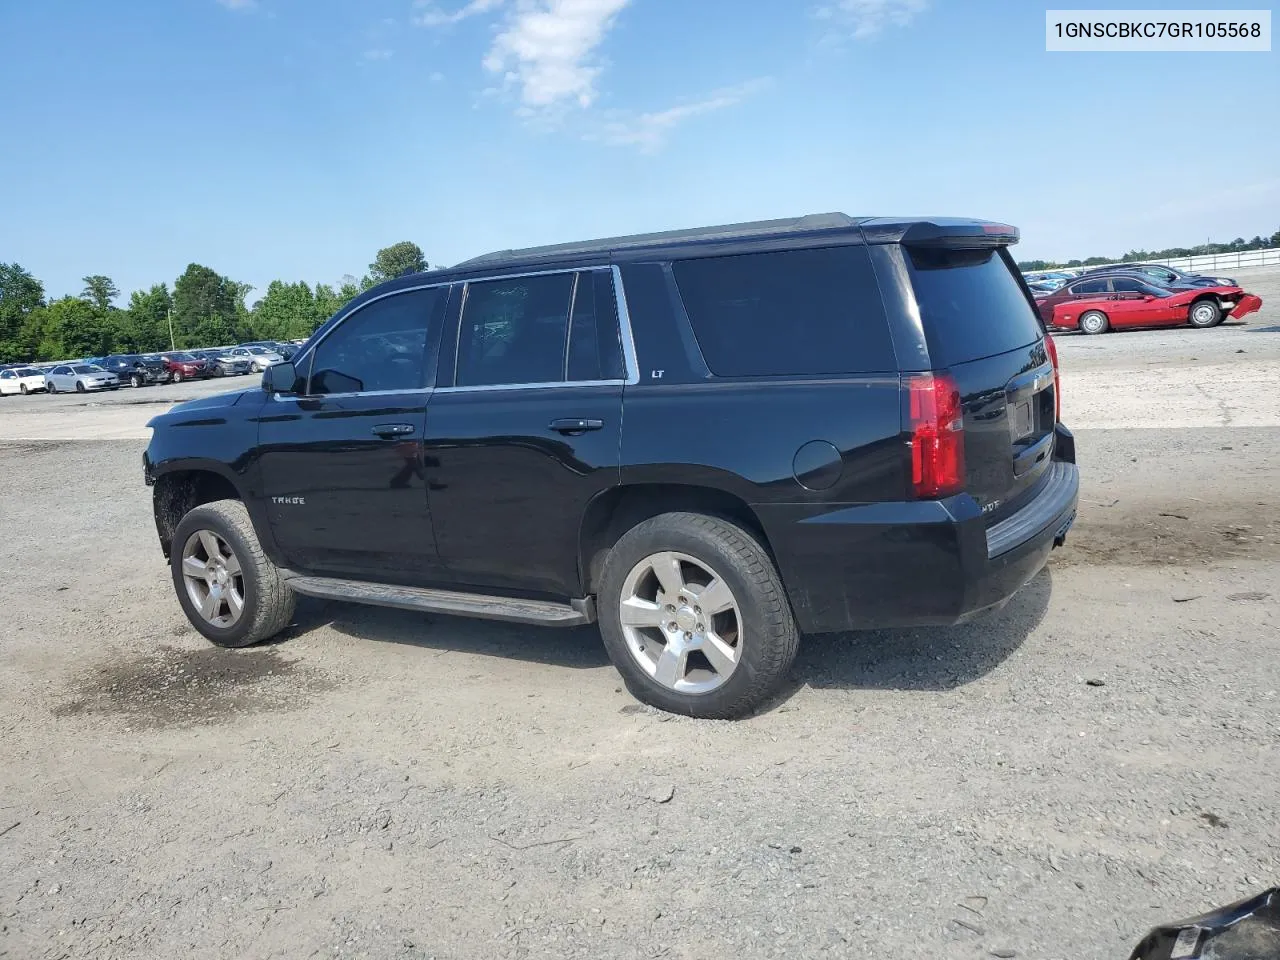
<point>624,323</point>
<point>414,391</point>
<point>488,387</point>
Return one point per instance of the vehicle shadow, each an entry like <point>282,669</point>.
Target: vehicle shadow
<point>922,658</point>
<point>574,647</point>
<point>917,658</point>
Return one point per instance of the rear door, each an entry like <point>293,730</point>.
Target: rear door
<point>980,328</point>
<point>341,460</point>
<point>526,432</point>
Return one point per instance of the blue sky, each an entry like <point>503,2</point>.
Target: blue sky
<point>292,138</point>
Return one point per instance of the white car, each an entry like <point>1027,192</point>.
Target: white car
<point>21,380</point>
<point>80,377</point>
<point>259,357</point>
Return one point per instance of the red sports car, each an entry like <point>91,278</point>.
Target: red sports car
<point>1096,304</point>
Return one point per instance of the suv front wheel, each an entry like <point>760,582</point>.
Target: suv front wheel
<point>694,616</point>
<point>228,588</point>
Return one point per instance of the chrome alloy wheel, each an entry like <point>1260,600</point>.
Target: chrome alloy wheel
<point>681,622</point>
<point>211,573</point>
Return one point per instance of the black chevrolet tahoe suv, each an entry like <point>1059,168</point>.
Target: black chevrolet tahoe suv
<point>709,441</point>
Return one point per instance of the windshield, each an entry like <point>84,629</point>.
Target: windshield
<point>259,350</point>
<point>88,368</point>
<point>181,357</point>
<point>26,372</point>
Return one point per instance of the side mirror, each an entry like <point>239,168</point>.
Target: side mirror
<point>1148,297</point>
<point>279,378</point>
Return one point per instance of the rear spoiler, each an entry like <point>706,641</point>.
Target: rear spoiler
<point>940,232</point>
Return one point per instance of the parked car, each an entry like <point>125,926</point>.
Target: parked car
<point>285,350</point>
<point>21,380</point>
<point>185,366</point>
<point>1165,276</point>
<point>135,370</point>
<point>710,441</point>
<point>80,377</point>
<point>1098,302</point>
<point>222,364</point>
<point>258,357</point>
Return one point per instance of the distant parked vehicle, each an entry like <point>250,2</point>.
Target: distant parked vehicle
<point>21,380</point>
<point>286,350</point>
<point>1165,276</point>
<point>185,366</point>
<point>80,377</point>
<point>1097,303</point>
<point>135,370</point>
<point>222,364</point>
<point>259,357</point>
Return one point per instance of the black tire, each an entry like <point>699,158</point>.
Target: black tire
<point>1204,314</point>
<point>268,601</point>
<point>50,388</point>
<point>219,372</point>
<point>22,388</point>
<point>769,633</point>
<point>79,387</point>
<point>177,376</point>
<point>137,380</point>
<point>1094,321</point>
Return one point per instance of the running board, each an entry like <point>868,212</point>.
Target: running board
<point>451,602</point>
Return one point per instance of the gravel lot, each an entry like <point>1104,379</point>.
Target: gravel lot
<point>1100,756</point>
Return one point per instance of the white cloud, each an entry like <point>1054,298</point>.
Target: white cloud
<point>378,53</point>
<point>239,4</point>
<point>649,131</point>
<point>547,50</point>
<point>434,16</point>
<point>866,18</point>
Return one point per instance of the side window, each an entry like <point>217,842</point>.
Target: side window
<point>380,347</point>
<point>1090,286</point>
<point>514,331</point>
<point>1125,285</point>
<point>595,345</point>
<point>6,375</point>
<point>792,312</point>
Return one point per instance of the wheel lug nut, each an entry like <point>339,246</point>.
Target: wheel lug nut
<point>688,636</point>
<point>700,628</point>
<point>698,611</point>
<point>672,626</point>
<point>671,608</point>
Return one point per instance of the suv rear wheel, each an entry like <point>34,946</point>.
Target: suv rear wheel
<point>1204,313</point>
<point>228,588</point>
<point>694,616</point>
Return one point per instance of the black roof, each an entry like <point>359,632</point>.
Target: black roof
<point>754,230</point>
<point>755,236</point>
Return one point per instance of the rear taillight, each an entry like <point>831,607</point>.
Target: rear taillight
<point>936,422</point>
<point>1052,349</point>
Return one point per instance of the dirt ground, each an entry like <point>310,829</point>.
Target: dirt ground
<point>1100,756</point>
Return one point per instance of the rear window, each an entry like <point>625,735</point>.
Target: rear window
<point>971,304</point>
<point>788,313</point>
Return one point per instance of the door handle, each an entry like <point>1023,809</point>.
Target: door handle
<point>389,430</point>
<point>575,425</point>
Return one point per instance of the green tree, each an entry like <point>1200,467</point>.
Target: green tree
<point>100,291</point>
<point>72,327</point>
<point>287,312</point>
<point>145,325</point>
<point>396,260</point>
<point>206,308</point>
<point>20,294</point>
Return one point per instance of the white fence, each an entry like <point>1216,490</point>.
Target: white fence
<point>1218,262</point>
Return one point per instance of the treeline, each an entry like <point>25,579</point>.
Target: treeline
<point>1238,244</point>
<point>203,309</point>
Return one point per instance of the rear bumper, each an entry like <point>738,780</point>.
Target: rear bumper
<point>916,563</point>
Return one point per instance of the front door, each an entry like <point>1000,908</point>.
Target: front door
<point>527,431</point>
<point>341,460</point>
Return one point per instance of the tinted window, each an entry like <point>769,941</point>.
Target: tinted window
<point>1091,286</point>
<point>513,331</point>
<point>793,312</point>
<point>1126,285</point>
<point>86,368</point>
<point>379,347</point>
<point>595,350</point>
<point>971,304</point>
